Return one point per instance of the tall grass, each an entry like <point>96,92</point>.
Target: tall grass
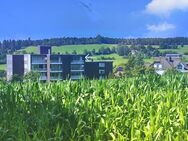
<point>141,108</point>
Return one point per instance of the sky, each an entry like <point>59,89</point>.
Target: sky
<point>39,19</point>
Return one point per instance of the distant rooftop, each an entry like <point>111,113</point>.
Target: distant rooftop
<point>174,55</point>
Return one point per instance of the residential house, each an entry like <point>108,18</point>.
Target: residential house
<point>170,61</point>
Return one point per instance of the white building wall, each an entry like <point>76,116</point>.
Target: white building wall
<point>160,72</point>
<point>9,67</point>
<point>27,63</point>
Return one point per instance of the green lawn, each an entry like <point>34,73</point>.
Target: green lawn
<point>118,60</point>
<point>80,48</point>
<point>2,66</point>
<point>70,48</point>
<point>30,49</point>
<point>181,50</point>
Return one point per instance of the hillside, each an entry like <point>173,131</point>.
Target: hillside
<point>70,48</point>
<point>80,48</point>
<point>180,50</point>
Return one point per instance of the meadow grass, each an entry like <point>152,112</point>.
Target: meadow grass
<point>70,48</point>
<point>119,60</point>
<point>149,107</point>
<point>2,66</point>
<point>80,48</point>
<point>180,50</point>
<point>30,49</point>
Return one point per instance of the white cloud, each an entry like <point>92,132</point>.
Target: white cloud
<point>162,27</point>
<point>165,7</point>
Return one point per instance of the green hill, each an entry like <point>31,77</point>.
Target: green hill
<point>70,48</point>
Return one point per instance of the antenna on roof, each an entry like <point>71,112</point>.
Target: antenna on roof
<point>87,57</point>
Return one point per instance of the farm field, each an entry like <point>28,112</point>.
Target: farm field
<point>148,107</point>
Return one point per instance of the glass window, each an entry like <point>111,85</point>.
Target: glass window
<point>56,67</point>
<point>157,66</point>
<point>55,59</point>
<point>77,58</point>
<point>39,59</point>
<point>56,75</point>
<point>76,73</point>
<point>180,66</point>
<point>77,67</point>
<point>101,65</point>
<point>39,67</point>
<point>101,71</point>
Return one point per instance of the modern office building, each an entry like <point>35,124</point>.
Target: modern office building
<point>57,66</point>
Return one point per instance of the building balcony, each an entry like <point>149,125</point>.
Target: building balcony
<point>39,62</point>
<point>56,63</point>
<point>56,70</point>
<point>80,70</point>
<point>56,78</point>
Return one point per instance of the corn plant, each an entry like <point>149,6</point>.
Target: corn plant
<point>149,107</point>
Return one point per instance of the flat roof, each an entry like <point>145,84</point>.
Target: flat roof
<point>51,54</point>
<point>99,61</point>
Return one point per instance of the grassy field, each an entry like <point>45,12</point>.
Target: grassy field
<point>118,60</point>
<point>150,107</point>
<point>2,66</point>
<point>180,50</point>
<point>80,48</point>
<point>30,49</point>
<point>70,48</point>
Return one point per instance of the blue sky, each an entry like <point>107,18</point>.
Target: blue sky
<point>39,19</point>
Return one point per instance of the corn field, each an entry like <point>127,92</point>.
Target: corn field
<point>149,107</point>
